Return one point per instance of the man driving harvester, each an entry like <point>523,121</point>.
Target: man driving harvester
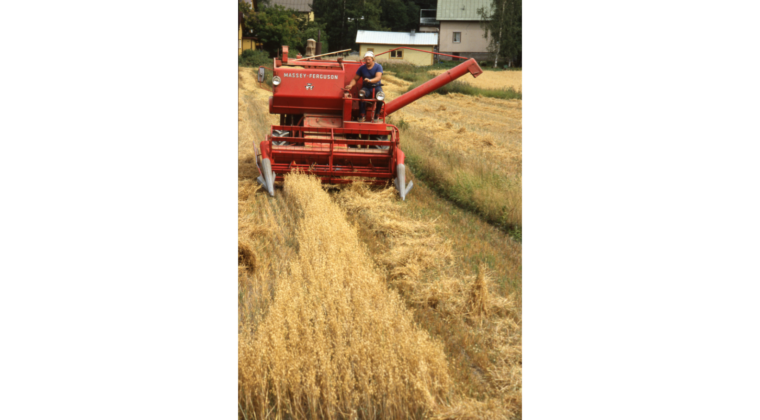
<point>371,72</point>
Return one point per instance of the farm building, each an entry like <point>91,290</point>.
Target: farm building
<point>460,28</point>
<point>380,41</point>
<point>301,6</point>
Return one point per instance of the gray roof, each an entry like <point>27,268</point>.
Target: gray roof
<point>461,9</point>
<point>297,5</point>
<point>396,38</point>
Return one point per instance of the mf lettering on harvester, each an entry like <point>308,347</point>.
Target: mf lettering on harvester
<point>311,76</point>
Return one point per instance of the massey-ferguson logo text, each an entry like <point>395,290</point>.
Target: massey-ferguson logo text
<point>309,86</point>
<point>311,76</point>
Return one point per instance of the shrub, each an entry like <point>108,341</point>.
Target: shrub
<point>447,64</point>
<point>254,58</point>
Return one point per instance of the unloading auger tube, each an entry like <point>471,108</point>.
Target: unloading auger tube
<point>320,131</point>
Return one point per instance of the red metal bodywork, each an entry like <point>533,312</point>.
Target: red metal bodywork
<point>318,124</point>
<point>324,152</point>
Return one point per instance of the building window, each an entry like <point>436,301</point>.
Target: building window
<point>397,54</point>
<point>457,37</point>
<point>371,49</point>
<point>240,44</point>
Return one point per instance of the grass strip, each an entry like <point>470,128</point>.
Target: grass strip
<point>420,75</point>
<point>465,89</point>
<point>473,184</point>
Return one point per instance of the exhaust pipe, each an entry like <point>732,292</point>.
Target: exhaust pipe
<point>401,186</point>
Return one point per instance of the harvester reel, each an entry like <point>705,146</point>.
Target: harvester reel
<point>380,138</point>
<point>280,133</point>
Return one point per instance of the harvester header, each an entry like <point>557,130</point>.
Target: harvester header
<point>321,130</point>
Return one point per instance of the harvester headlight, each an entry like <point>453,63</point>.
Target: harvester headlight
<point>380,96</point>
<point>276,80</point>
<point>361,94</point>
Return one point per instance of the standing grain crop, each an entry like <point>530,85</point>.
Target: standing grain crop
<point>336,342</point>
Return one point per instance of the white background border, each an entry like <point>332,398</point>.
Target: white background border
<point>118,178</point>
<point>118,191</point>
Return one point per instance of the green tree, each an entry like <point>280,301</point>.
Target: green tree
<point>342,18</point>
<point>504,22</point>
<point>396,16</point>
<point>276,26</point>
<point>425,4</point>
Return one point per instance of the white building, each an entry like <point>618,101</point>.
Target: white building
<point>460,30</point>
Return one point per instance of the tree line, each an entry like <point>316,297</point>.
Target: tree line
<point>339,20</point>
<point>504,22</point>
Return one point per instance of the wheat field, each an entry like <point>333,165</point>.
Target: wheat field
<point>353,304</point>
<point>482,128</point>
<point>492,79</point>
<point>471,146</point>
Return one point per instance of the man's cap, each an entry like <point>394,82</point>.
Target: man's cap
<point>369,54</point>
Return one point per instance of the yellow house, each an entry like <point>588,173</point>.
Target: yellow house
<point>244,43</point>
<point>380,41</point>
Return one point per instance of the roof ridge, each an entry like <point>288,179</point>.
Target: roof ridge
<point>460,9</point>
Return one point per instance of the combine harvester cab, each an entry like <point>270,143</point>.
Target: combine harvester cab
<point>319,132</point>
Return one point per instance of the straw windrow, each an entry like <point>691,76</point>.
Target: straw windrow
<point>336,341</point>
<point>419,264</point>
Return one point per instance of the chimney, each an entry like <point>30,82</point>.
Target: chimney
<point>412,32</point>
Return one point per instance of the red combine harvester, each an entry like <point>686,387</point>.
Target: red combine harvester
<point>319,132</point>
